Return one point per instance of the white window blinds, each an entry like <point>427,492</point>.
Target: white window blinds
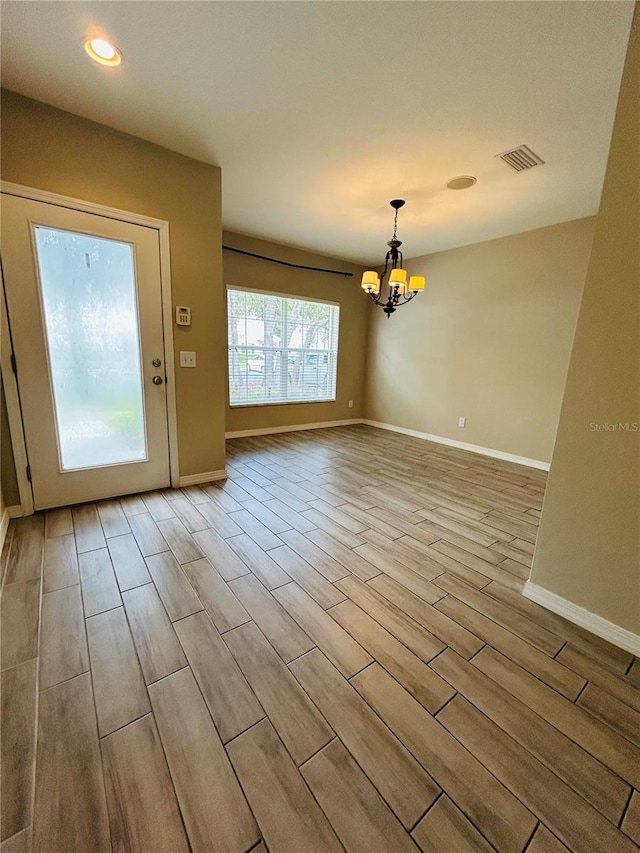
<point>281,349</point>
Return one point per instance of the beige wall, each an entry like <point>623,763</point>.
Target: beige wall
<point>51,150</point>
<point>243,271</point>
<point>489,340</point>
<point>589,541</point>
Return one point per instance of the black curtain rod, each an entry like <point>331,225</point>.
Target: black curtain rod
<point>286,263</point>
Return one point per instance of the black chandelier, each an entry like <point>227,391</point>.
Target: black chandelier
<point>399,292</point>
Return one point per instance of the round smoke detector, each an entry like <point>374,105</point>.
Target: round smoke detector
<point>462,182</point>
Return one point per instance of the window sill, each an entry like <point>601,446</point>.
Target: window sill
<point>281,403</point>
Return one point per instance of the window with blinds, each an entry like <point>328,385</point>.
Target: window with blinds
<point>281,349</point>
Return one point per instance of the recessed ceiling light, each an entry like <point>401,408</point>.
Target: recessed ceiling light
<point>102,51</point>
<point>462,182</point>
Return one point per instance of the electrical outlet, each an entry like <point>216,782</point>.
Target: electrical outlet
<point>462,422</point>
<point>187,359</point>
<point>351,404</point>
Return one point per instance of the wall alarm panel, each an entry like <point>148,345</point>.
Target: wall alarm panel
<point>183,315</point>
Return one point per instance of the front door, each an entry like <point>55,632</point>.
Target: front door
<point>85,311</point>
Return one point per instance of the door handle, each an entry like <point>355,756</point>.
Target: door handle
<point>157,380</point>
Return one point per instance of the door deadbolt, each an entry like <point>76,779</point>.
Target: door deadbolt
<point>158,380</point>
<point>156,362</point>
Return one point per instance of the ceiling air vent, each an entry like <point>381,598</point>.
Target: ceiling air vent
<point>521,158</point>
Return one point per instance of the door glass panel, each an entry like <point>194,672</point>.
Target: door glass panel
<point>88,292</point>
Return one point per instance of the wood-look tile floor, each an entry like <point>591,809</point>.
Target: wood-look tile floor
<point>328,651</point>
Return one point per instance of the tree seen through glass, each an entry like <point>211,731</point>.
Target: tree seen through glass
<point>280,349</point>
<point>91,319</point>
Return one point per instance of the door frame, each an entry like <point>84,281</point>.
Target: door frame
<point>12,390</point>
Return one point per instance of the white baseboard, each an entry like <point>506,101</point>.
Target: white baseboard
<point>616,635</point>
<point>463,445</point>
<point>243,433</point>
<point>207,477</point>
<point>9,513</point>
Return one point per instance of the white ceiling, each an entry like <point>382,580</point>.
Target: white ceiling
<point>320,112</point>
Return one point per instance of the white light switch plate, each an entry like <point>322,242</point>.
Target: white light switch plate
<point>187,359</point>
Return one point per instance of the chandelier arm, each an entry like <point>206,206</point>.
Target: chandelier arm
<point>394,299</point>
<point>387,258</point>
<point>406,299</point>
<point>387,305</point>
